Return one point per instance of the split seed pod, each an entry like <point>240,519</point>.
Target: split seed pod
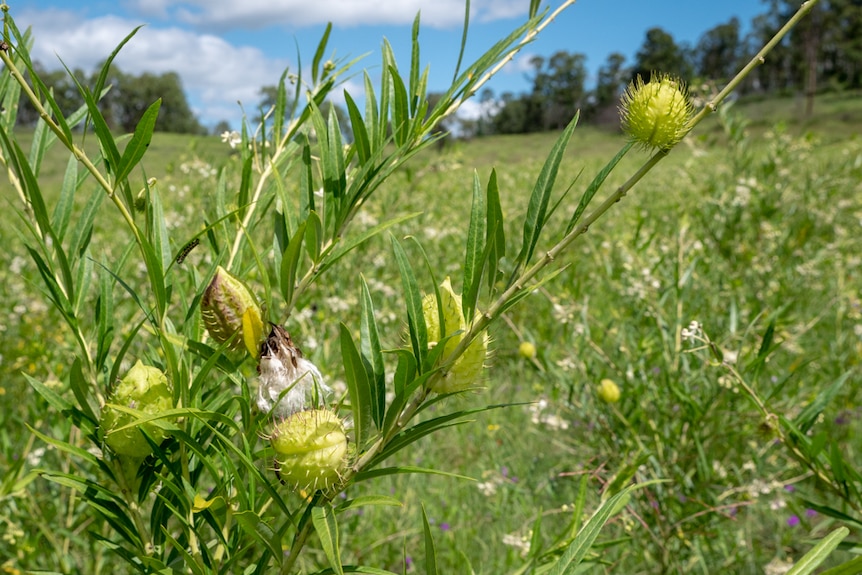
<point>231,312</point>
<point>288,382</point>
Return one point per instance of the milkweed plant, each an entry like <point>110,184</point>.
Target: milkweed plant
<point>206,441</point>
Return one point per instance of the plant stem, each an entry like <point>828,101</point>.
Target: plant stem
<point>79,154</point>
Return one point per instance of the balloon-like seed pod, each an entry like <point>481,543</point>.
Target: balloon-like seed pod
<point>146,389</point>
<point>231,312</point>
<point>466,371</point>
<point>310,449</point>
<point>608,391</point>
<point>656,114</point>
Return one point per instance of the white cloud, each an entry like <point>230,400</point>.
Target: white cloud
<point>231,14</point>
<point>215,73</point>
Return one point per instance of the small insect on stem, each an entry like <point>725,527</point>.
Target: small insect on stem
<point>181,257</point>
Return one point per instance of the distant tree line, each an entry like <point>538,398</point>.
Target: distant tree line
<point>823,52</point>
<point>129,96</point>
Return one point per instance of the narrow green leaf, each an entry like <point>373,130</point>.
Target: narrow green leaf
<point>242,194</point>
<point>82,391</point>
<point>415,318</point>
<point>811,560</point>
<point>359,389</point>
<point>106,65</point>
<point>851,567</point>
<point>536,546</point>
<point>538,205</point>
<point>140,142</point>
<point>104,319</point>
<point>39,146</point>
<point>79,454</point>
<point>52,397</point>
<point>323,518</point>
<point>252,524</point>
<point>335,155</point>
<point>405,373</point>
<point>357,126</point>
<point>425,428</point>
<point>367,501</point>
<point>414,65</point>
<point>430,548</point>
<point>534,7</point>
<point>278,114</point>
<point>766,343</point>
<point>350,244</point>
<point>313,236</point>
<point>83,230</point>
<point>66,202</point>
<point>306,182</point>
<point>372,123</point>
<point>495,240</point>
<point>400,108</point>
<point>405,470</point>
<point>832,512</point>
<point>383,123</point>
<point>474,263</point>
<point>158,230</point>
<point>594,186</point>
<point>318,54</point>
<point>289,264</point>
<point>808,417</point>
<point>464,30</point>
<point>372,356</point>
<point>568,563</point>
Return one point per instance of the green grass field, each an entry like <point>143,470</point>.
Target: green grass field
<point>754,233</point>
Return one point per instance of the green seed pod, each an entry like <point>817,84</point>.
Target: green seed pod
<point>527,350</point>
<point>467,369</point>
<point>608,391</point>
<point>310,449</point>
<point>230,310</point>
<point>146,389</point>
<point>656,114</point>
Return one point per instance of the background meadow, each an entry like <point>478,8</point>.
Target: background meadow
<point>750,228</point>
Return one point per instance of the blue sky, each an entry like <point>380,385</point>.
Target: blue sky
<point>225,50</point>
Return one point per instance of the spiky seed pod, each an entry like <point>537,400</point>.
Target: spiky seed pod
<point>310,449</point>
<point>467,369</point>
<point>230,310</point>
<point>608,391</point>
<point>146,389</point>
<point>656,115</point>
<point>288,382</point>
